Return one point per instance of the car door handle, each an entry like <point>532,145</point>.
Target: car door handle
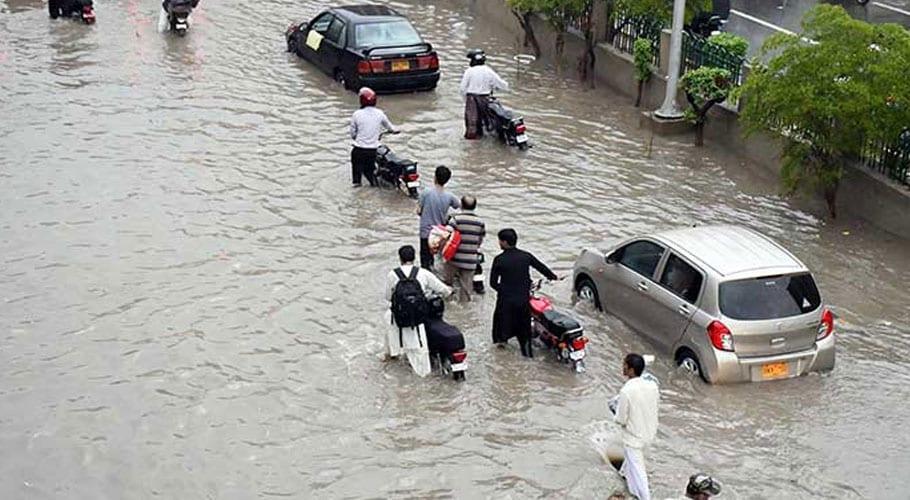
<point>642,286</point>
<point>683,310</point>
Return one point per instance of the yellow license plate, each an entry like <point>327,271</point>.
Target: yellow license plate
<point>401,65</point>
<point>775,370</point>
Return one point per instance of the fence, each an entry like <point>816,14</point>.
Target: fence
<point>628,29</point>
<point>698,52</point>
<point>892,160</point>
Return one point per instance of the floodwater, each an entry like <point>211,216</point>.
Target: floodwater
<point>190,290</point>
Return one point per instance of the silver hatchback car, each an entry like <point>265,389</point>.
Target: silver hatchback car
<point>727,302</point>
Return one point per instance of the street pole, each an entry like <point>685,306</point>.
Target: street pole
<point>669,110</point>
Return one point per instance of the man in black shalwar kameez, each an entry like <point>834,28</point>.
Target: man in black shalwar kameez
<point>510,277</point>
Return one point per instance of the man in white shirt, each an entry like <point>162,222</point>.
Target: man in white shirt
<point>367,124</point>
<point>478,82</point>
<point>411,339</point>
<point>636,414</point>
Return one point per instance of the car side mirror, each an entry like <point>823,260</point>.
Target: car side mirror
<point>613,258</point>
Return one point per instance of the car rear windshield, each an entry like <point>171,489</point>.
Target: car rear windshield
<point>769,297</point>
<point>386,34</point>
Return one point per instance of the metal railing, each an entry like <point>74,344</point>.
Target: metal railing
<point>628,29</point>
<point>891,160</point>
<point>698,52</point>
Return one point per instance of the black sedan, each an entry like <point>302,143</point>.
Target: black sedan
<point>367,45</point>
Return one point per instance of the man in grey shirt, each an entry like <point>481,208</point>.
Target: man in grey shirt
<point>433,208</point>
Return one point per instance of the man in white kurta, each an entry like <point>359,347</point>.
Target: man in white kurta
<point>477,83</point>
<point>636,414</point>
<point>410,340</point>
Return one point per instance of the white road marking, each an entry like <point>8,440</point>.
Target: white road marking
<point>891,8</point>
<point>762,22</point>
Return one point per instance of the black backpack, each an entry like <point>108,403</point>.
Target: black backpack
<point>409,304</point>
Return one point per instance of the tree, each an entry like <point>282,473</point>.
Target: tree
<point>657,9</point>
<point>558,14</point>
<point>642,54</point>
<point>705,87</point>
<point>524,10</point>
<point>839,86</point>
<point>585,11</point>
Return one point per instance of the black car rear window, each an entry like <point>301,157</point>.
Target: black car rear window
<point>769,297</point>
<point>386,34</point>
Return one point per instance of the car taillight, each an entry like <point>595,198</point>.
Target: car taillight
<point>579,344</point>
<point>459,356</point>
<point>826,327</point>
<point>720,336</point>
<point>428,62</point>
<point>377,66</point>
<point>520,128</point>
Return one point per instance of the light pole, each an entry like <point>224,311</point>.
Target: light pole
<point>669,110</point>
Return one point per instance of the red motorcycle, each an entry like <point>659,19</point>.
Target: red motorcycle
<point>557,331</point>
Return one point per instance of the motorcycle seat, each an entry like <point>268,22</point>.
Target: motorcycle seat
<point>442,337</point>
<point>501,111</point>
<point>394,159</point>
<point>559,323</point>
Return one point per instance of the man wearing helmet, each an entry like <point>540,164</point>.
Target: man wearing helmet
<point>478,82</point>
<point>367,124</point>
<point>701,487</point>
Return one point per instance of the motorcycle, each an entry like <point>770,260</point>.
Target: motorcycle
<point>706,23</point>
<point>178,13</point>
<point>557,331</point>
<point>80,9</point>
<point>395,171</point>
<point>445,343</point>
<point>506,124</point>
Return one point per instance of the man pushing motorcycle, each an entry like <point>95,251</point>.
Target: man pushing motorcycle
<point>510,277</point>
<point>478,82</point>
<point>367,125</point>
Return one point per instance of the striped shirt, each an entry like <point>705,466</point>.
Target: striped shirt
<point>472,232</point>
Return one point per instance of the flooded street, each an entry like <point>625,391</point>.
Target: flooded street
<point>191,291</point>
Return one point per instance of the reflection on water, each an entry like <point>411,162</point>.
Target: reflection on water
<point>191,290</point>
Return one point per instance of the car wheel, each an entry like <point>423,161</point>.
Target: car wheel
<point>339,77</point>
<point>688,361</point>
<point>587,292</point>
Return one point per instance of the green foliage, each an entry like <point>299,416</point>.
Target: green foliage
<point>643,54</point>
<point>843,83</point>
<point>659,9</point>
<point>733,44</point>
<point>557,12</point>
<point>706,85</point>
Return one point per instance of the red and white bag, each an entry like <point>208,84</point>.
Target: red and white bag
<point>451,246</point>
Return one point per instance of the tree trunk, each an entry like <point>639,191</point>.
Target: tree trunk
<point>830,192</point>
<point>611,30</point>
<point>641,86</point>
<point>530,39</point>
<point>701,116</point>
<point>560,44</point>
<point>700,132</point>
<point>587,59</point>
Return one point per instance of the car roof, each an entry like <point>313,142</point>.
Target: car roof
<point>731,250</point>
<point>363,13</point>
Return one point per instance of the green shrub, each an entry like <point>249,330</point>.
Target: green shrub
<point>734,44</point>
